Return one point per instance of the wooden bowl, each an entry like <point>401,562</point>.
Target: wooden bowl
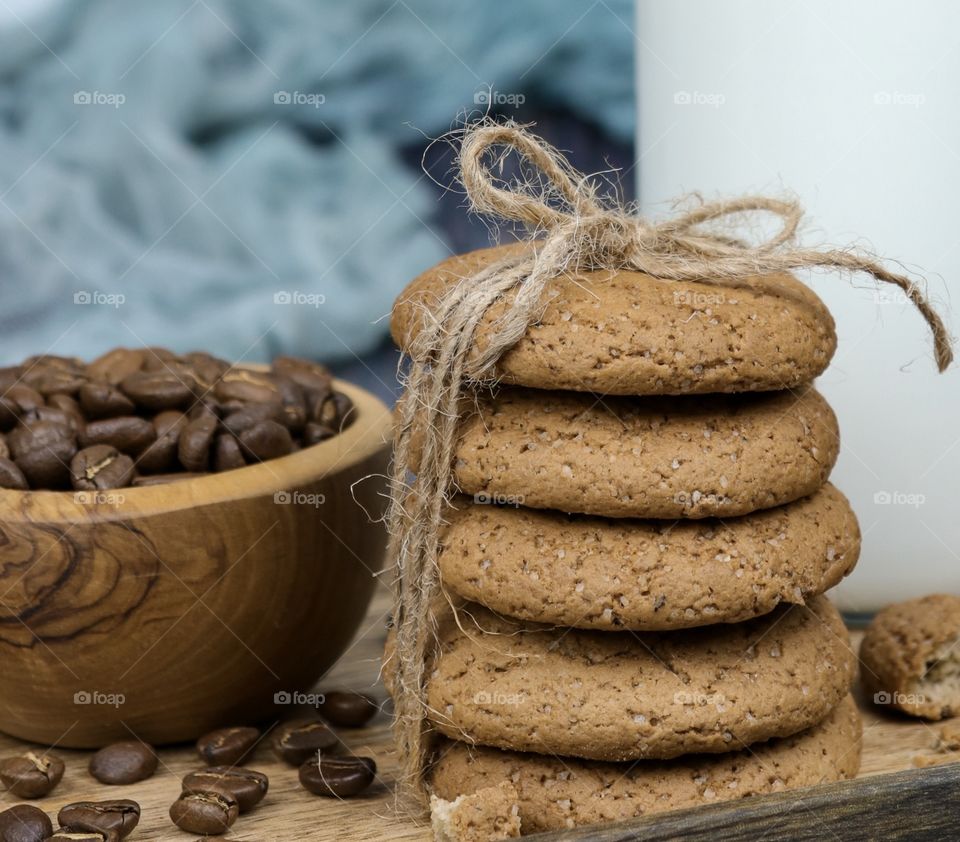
<point>166,611</point>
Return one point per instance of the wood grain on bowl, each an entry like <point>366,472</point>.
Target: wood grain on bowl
<point>168,610</point>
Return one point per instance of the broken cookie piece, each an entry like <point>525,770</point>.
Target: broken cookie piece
<point>488,815</point>
<point>910,657</point>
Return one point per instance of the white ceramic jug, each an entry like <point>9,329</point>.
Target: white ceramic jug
<point>855,107</point>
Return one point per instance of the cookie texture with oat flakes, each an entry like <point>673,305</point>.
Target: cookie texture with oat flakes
<point>557,792</point>
<point>627,333</point>
<point>622,573</point>
<point>626,695</point>
<point>654,457</point>
<point>910,657</point>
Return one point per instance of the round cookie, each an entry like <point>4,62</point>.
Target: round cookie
<point>556,793</point>
<point>590,572</point>
<point>910,657</point>
<point>627,333</point>
<point>626,696</point>
<point>659,457</point>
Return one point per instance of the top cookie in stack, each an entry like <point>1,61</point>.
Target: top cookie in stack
<point>626,333</point>
<point>655,461</point>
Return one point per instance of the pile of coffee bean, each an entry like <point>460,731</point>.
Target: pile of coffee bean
<point>311,744</point>
<point>146,416</point>
<point>211,798</point>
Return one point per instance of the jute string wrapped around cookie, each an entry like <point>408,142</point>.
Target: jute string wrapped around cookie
<point>571,229</point>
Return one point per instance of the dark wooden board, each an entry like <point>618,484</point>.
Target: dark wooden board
<point>916,805</point>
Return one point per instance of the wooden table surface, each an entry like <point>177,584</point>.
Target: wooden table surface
<point>290,813</point>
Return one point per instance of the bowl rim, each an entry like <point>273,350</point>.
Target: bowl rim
<point>369,433</point>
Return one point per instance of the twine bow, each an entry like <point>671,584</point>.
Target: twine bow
<point>582,233</point>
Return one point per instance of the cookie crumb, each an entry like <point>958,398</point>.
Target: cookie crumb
<point>487,815</point>
<point>948,738</point>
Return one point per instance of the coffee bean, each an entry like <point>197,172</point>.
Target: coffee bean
<point>207,368</point>
<point>119,816</point>
<point>51,381</point>
<point>248,386</point>
<point>77,834</point>
<point>161,455</point>
<point>310,376</point>
<point>23,399</point>
<point>165,479</point>
<point>101,467</point>
<point>158,359</point>
<point>31,775</point>
<point>300,740</point>
<point>227,454</point>
<point>54,361</point>
<point>204,813</point>
<point>52,415</point>
<point>43,452</point>
<point>338,777</point>
<point>159,390</point>
<point>69,407</point>
<point>35,436</point>
<point>24,823</point>
<point>102,400</point>
<point>10,374</point>
<point>124,763</point>
<point>11,476</point>
<point>227,746</point>
<point>294,401</point>
<point>9,413</point>
<point>251,415</point>
<point>196,442</point>
<point>116,365</point>
<point>265,440</point>
<point>334,411</point>
<point>207,405</point>
<point>314,433</point>
<point>347,708</point>
<point>246,785</point>
<point>127,433</point>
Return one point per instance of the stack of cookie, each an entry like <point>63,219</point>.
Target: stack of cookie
<point>640,550</point>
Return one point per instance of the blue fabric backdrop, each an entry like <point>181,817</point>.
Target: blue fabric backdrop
<point>224,174</point>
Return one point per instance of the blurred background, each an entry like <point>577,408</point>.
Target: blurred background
<point>245,177</point>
